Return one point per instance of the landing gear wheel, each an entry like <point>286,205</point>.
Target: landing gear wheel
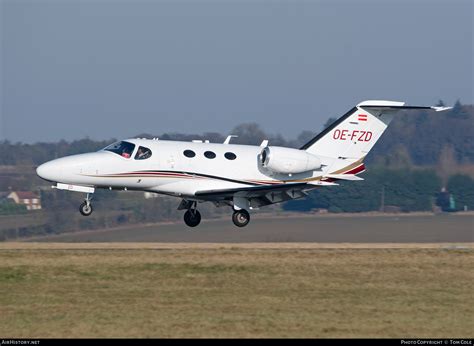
<point>192,217</point>
<point>241,218</point>
<point>85,208</point>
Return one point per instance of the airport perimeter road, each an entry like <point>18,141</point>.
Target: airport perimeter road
<point>322,229</point>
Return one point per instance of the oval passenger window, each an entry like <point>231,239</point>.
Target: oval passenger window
<point>230,156</point>
<point>189,153</point>
<point>209,155</point>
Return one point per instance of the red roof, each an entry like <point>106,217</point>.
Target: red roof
<point>26,194</point>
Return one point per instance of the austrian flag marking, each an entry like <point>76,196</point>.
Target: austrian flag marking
<point>362,117</point>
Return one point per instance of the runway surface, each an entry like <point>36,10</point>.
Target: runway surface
<point>444,228</point>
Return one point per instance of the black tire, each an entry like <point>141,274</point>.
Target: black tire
<point>241,218</point>
<point>192,218</point>
<point>85,209</point>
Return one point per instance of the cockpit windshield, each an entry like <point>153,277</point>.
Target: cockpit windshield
<point>142,153</point>
<point>124,149</point>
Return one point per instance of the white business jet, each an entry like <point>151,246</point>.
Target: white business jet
<point>243,177</point>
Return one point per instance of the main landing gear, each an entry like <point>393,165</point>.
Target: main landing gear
<point>241,218</point>
<point>192,217</point>
<point>86,207</point>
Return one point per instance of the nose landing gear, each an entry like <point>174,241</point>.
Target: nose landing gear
<point>86,207</point>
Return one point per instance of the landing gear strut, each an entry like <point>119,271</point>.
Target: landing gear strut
<point>192,217</point>
<point>241,218</point>
<point>86,207</point>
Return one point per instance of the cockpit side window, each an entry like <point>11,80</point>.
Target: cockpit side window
<point>122,148</point>
<point>142,153</point>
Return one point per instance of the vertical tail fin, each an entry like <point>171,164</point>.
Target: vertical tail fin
<point>350,138</point>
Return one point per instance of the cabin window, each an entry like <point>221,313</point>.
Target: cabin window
<point>122,148</point>
<point>210,155</point>
<point>189,153</point>
<point>142,153</point>
<point>230,156</point>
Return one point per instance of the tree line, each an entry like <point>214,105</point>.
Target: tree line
<point>383,189</point>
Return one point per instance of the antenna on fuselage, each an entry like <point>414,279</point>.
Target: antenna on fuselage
<point>229,137</point>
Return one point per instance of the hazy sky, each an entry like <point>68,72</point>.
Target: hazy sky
<point>71,69</point>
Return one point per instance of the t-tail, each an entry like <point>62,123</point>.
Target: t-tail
<point>345,143</point>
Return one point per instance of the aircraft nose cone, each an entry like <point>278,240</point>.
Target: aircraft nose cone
<point>68,169</point>
<point>47,170</point>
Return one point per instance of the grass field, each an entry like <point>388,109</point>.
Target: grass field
<point>218,290</point>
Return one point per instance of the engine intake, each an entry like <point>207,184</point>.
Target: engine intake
<point>288,161</point>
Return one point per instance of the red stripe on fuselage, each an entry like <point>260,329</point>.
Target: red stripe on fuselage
<point>158,174</point>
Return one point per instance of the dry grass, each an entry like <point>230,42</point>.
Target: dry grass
<point>235,291</point>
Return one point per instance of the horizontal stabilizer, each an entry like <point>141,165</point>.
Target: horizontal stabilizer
<point>440,109</point>
<point>387,105</point>
<point>351,177</point>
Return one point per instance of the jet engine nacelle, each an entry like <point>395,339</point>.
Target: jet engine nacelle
<point>288,161</point>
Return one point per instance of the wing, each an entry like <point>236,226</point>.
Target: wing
<point>259,195</point>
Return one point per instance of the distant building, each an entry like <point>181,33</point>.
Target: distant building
<point>27,198</point>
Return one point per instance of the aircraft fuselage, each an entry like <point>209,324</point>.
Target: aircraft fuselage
<point>168,170</point>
